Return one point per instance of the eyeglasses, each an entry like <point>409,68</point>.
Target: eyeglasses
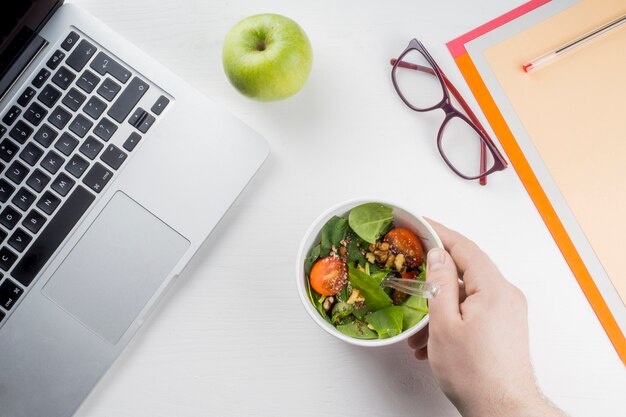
<point>462,140</point>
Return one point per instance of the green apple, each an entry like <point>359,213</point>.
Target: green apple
<point>267,57</point>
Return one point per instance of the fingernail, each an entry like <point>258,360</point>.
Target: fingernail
<point>435,259</point>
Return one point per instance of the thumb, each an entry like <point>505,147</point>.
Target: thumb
<point>441,270</point>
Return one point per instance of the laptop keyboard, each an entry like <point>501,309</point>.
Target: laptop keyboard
<point>60,146</point>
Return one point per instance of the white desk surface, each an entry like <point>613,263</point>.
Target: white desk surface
<point>232,339</point>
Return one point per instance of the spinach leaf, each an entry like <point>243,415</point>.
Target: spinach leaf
<point>354,254</point>
<point>344,294</point>
<point>333,232</point>
<point>358,330</point>
<point>417,303</point>
<point>317,300</point>
<point>361,312</point>
<point>411,317</point>
<point>387,321</point>
<point>310,260</point>
<point>375,296</point>
<point>422,274</point>
<point>370,220</point>
<point>341,310</point>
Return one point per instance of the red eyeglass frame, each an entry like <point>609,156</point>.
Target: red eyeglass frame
<point>499,163</point>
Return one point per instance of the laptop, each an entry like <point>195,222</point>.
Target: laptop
<point>113,172</point>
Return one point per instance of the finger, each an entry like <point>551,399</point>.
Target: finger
<point>420,339</point>
<point>468,257</point>
<point>421,354</point>
<point>441,270</point>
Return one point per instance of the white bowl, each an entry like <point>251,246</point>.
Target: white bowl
<point>401,217</point>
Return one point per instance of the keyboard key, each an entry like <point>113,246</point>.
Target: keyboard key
<point>137,117</point>
<point>91,147</point>
<point>6,189</point>
<point>23,199</point>
<point>9,292</point>
<point>49,96</point>
<point>35,114</point>
<point>3,130</point>
<point>52,236</point>
<point>74,99</point>
<point>104,64</point>
<point>38,180</point>
<point>105,129</point>
<point>62,184</point>
<point>8,150</point>
<point>41,77</point>
<point>21,131</point>
<point>31,154</point>
<point>19,240</point>
<point>45,135</point>
<point>88,81</point>
<point>95,107</point>
<point>113,156</point>
<point>81,55</point>
<point>34,221</point>
<point>48,202</point>
<point>76,166</point>
<point>3,235</point>
<point>70,41</point>
<point>52,162</point>
<point>81,125</point>
<point>66,144</point>
<point>55,59</point>
<point>26,97</point>
<point>128,99</point>
<point>146,123</point>
<point>160,105</point>
<point>59,117</point>
<point>11,116</point>
<point>63,78</point>
<point>17,172</point>
<point>2,315</point>
<point>132,141</point>
<point>109,89</point>
<point>9,217</point>
<point>97,177</point>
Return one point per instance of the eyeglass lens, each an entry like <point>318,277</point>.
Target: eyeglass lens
<point>417,81</point>
<point>460,143</point>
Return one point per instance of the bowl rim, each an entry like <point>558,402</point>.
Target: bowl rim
<point>303,251</point>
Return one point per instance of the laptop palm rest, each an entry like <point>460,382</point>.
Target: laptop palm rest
<point>116,267</point>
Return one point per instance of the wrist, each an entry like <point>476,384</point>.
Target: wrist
<point>529,402</point>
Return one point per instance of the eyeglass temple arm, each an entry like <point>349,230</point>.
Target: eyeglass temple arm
<point>461,101</point>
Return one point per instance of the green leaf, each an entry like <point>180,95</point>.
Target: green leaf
<point>341,310</point>
<point>375,296</point>
<point>422,274</point>
<point>370,220</point>
<point>411,317</point>
<point>360,313</point>
<point>357,330</point>
<point>417,303</point>
<point>387,321</point>
<point>333,232</point>
<point>317,300</point>
<point>354,254</point>
<point>344,294</point>
<point>310,260</point>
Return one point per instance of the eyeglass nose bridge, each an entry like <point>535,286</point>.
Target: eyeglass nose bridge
<point>448,108</point>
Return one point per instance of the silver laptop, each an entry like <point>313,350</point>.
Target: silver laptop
<point>113,173</point>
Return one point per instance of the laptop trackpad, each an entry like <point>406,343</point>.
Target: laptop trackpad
<point>116,267</point>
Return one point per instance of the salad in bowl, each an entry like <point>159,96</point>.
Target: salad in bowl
<point>342,263</point>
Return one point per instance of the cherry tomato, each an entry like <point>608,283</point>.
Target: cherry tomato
<point>404,241</point>
<point>329,275</point>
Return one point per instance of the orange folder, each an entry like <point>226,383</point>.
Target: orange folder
<point>580,146</point>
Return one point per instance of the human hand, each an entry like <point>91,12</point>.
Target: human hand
<point>477,347</point>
